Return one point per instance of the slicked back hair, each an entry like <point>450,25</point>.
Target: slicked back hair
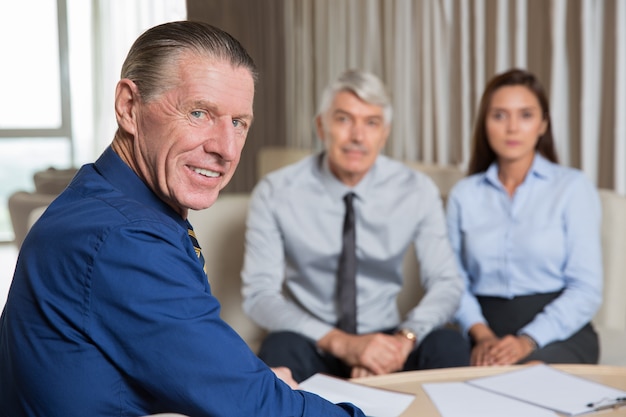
<point>150,60</point>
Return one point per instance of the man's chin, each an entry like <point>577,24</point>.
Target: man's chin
<point>202,202</point>
<point>205,205</point>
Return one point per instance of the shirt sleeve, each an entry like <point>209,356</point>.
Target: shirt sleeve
<point>469,312</point>
<point>582,268</point>
<point>264,273</point>
<point>438,271</point>
<point>152,314</point>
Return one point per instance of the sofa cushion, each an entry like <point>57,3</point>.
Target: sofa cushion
<point>220,230</point>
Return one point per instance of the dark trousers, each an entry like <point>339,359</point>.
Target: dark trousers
<point>442,348</point>
<point>506,316</point>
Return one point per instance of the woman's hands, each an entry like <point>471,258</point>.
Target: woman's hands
<point>491,350</point>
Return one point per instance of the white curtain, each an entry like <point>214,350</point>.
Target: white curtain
<point>437,55</point>
<point>620,98</point>
<point>116,24</point>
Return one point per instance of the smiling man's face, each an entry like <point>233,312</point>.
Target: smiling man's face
<point>189,139</point>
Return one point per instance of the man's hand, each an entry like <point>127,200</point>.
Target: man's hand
<point>360,372</point>
<point>370,354</point>
<point>407,347</point>
<point>284,374</point>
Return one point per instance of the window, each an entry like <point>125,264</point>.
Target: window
<point>56,98</point>
<point>35,121</point>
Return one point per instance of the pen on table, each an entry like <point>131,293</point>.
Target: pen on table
<point>607,403</point>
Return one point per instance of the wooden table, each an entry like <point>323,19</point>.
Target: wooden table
<point>422,406</point>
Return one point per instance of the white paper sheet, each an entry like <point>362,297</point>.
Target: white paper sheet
<point>551,388</point>
<point>374,402</point>
<point>458,399</point>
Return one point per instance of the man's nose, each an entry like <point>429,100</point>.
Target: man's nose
<point>357,132</point>
<point>223,139</point>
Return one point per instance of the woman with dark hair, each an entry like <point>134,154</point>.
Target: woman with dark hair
<point>526,233</point>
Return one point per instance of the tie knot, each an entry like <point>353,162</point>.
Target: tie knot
<point>348,198</point>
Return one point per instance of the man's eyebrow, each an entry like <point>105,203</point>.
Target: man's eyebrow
<point>368,117</point>
<point>204,104</point>
<point>246,116</point>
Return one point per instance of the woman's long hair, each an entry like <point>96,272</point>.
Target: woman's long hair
<point>482,153</point>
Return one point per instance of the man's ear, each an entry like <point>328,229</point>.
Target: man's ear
<point>126,101</point>
<point>319,127</point>
<point>386,134</point>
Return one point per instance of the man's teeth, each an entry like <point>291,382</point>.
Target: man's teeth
<point>206,172</point>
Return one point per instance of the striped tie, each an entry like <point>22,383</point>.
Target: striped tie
<point>196,245</point>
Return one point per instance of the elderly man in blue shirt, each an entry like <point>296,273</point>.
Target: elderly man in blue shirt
<point>110,312</point>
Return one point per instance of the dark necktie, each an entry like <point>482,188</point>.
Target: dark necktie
<point>196,245</point>
<point>346,274</point>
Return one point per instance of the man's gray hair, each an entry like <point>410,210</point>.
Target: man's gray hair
<point>365,85</point>
<point>150,59</point>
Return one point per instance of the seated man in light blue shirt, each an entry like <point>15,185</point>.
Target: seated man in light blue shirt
<point>294,242</point>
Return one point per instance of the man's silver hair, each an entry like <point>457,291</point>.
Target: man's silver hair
<point>364,85</point>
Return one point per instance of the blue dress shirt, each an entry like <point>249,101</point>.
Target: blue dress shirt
<point>546,238</point>
<point>111,314</point>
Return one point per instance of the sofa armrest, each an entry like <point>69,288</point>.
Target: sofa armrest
<point>21,205</point>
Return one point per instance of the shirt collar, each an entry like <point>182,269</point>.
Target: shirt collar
<point>124,179</point>
<point>338,189</point>
<point>540,168</point>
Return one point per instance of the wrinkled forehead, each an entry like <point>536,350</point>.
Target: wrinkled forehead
<point>188,65</point>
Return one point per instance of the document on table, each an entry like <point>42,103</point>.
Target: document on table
<point>459,399</point>
<point>375,402</point>
<point>552,389</point>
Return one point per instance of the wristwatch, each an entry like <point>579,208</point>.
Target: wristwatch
<point>408,333</point>
<point>531,341</point>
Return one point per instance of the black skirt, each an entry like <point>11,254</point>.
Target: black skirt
<point>508,316</point>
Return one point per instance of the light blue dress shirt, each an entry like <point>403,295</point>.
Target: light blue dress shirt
<point>293,242</point>
<point>545,238</point>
